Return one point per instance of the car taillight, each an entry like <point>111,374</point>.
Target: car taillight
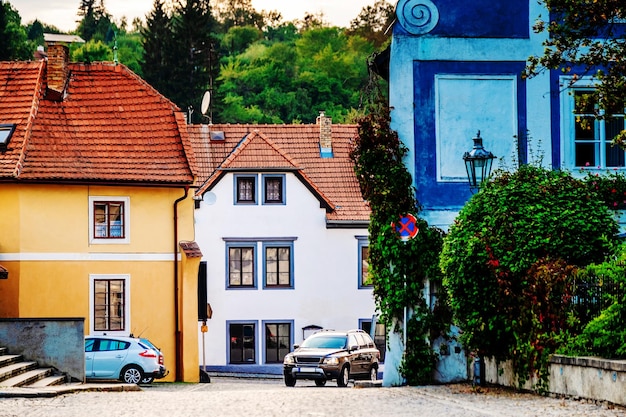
<point>148,354</point>
<point>160,359</point>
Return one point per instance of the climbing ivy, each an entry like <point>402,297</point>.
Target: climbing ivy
<point>398,269</point>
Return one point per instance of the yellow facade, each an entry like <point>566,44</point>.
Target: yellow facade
<point>46,248</point>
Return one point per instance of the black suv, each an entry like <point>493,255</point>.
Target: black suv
<point>330,354</point>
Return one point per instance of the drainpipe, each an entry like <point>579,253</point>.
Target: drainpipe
<point>179,339</point>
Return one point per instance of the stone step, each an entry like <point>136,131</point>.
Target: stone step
<point>50,381</point>
<point>14,369</point>
<point>9,359</point>
<point>27,378</point>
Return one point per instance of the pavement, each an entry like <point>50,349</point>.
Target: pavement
<point>253,397</point>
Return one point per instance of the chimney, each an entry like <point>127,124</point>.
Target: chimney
<point>326,135</point>
<point>58,63</point>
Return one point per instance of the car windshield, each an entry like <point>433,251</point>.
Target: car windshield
<point>325,342</point>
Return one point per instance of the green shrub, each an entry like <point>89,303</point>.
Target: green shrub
<point>509,258</point>
<point>605,335</point>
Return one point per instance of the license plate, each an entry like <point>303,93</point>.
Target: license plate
<point>307,369</point>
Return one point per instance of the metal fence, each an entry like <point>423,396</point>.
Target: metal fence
<point>594,294</point>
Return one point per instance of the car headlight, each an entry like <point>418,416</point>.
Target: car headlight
<point>289,359</point>
<point>331,360</point>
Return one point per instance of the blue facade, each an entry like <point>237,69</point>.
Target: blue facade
<point>455,69</point>
<point>475,19</point>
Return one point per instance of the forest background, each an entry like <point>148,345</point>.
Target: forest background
<point>258,67</point>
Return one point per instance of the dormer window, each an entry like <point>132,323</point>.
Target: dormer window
<point>273,189</point>
<point>6,131</point>
<point>245,189</point>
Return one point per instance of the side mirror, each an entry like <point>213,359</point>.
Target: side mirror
<point>296,346</point>
<point>353,348</point>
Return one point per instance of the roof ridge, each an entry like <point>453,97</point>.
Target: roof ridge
<point>37,95</point>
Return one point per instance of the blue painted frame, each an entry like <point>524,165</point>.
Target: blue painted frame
<point>279,244</point>
<point>236,178</point>
<point>256,341</point>
<point>291,324</point>
<point>361,242</point>
<point>283,195</point>
<point>240,244</point>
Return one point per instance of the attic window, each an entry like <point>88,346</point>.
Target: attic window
<point>6,131</point>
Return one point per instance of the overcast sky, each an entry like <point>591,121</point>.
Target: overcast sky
<point>62,13</point>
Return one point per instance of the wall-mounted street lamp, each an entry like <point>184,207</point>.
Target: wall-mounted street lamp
<point>478,163</point>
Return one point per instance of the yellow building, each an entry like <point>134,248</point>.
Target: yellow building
<point>96,210</point>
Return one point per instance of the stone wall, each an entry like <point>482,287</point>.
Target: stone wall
<point>581,377</point>
<point>51,342</point>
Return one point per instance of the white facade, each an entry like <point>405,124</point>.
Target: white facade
<point>325,270</point>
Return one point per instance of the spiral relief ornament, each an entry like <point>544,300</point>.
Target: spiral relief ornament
<point>417,16</point>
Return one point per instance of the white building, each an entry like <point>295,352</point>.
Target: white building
<point>283,228</point>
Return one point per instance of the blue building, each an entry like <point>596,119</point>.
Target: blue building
<point>455,69</point>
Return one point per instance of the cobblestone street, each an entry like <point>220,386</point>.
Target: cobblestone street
<point>270,397</point>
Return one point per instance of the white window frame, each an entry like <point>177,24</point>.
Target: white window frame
<point>126,279</point>
<point>109,241</point>
<point>568,131</point>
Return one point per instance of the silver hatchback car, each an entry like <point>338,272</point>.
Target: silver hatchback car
<point>128,359</point>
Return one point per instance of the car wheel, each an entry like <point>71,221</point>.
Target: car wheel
<point>147,380</point>
<point>290,381</point>
<point>320,382</point>
<point>344,375</point>
<point>131,374</point>
<point>373,373</point>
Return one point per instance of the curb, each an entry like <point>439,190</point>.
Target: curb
<point>368,384</point>
<point>53,391</point>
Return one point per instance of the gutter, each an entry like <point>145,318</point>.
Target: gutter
<point>347,224</point>
<point>179,339</point>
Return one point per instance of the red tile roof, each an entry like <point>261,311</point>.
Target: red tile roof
<point>111,126</point>
<point>285,148</point>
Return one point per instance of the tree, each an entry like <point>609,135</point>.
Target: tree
<point>586,38</point>
<point>231,13</point>
<point>157,42</point>
<point>238,38</point>
<point>92,51</point>
<point>372,23</point>
<point>192,54</point>
<point>509,258</point>
<point>13,39</point>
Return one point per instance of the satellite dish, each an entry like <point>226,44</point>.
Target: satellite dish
<point>206,100</point>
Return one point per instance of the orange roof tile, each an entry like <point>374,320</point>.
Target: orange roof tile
<point>331,179</point>
<point>111,126</point>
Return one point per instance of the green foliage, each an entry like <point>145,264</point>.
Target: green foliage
<point>13,40</point>
<point>321,69</point>
<point>605,335</point>
<point>509,258</point>
<point>373,21</point>
<point>584,40</point>
<point>238,38</point>
<point>92,51</point>
<point>259,68</point>
<point>610,186</point>
<point>398,269</point>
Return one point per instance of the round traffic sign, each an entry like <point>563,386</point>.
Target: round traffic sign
<point>406,227</point>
